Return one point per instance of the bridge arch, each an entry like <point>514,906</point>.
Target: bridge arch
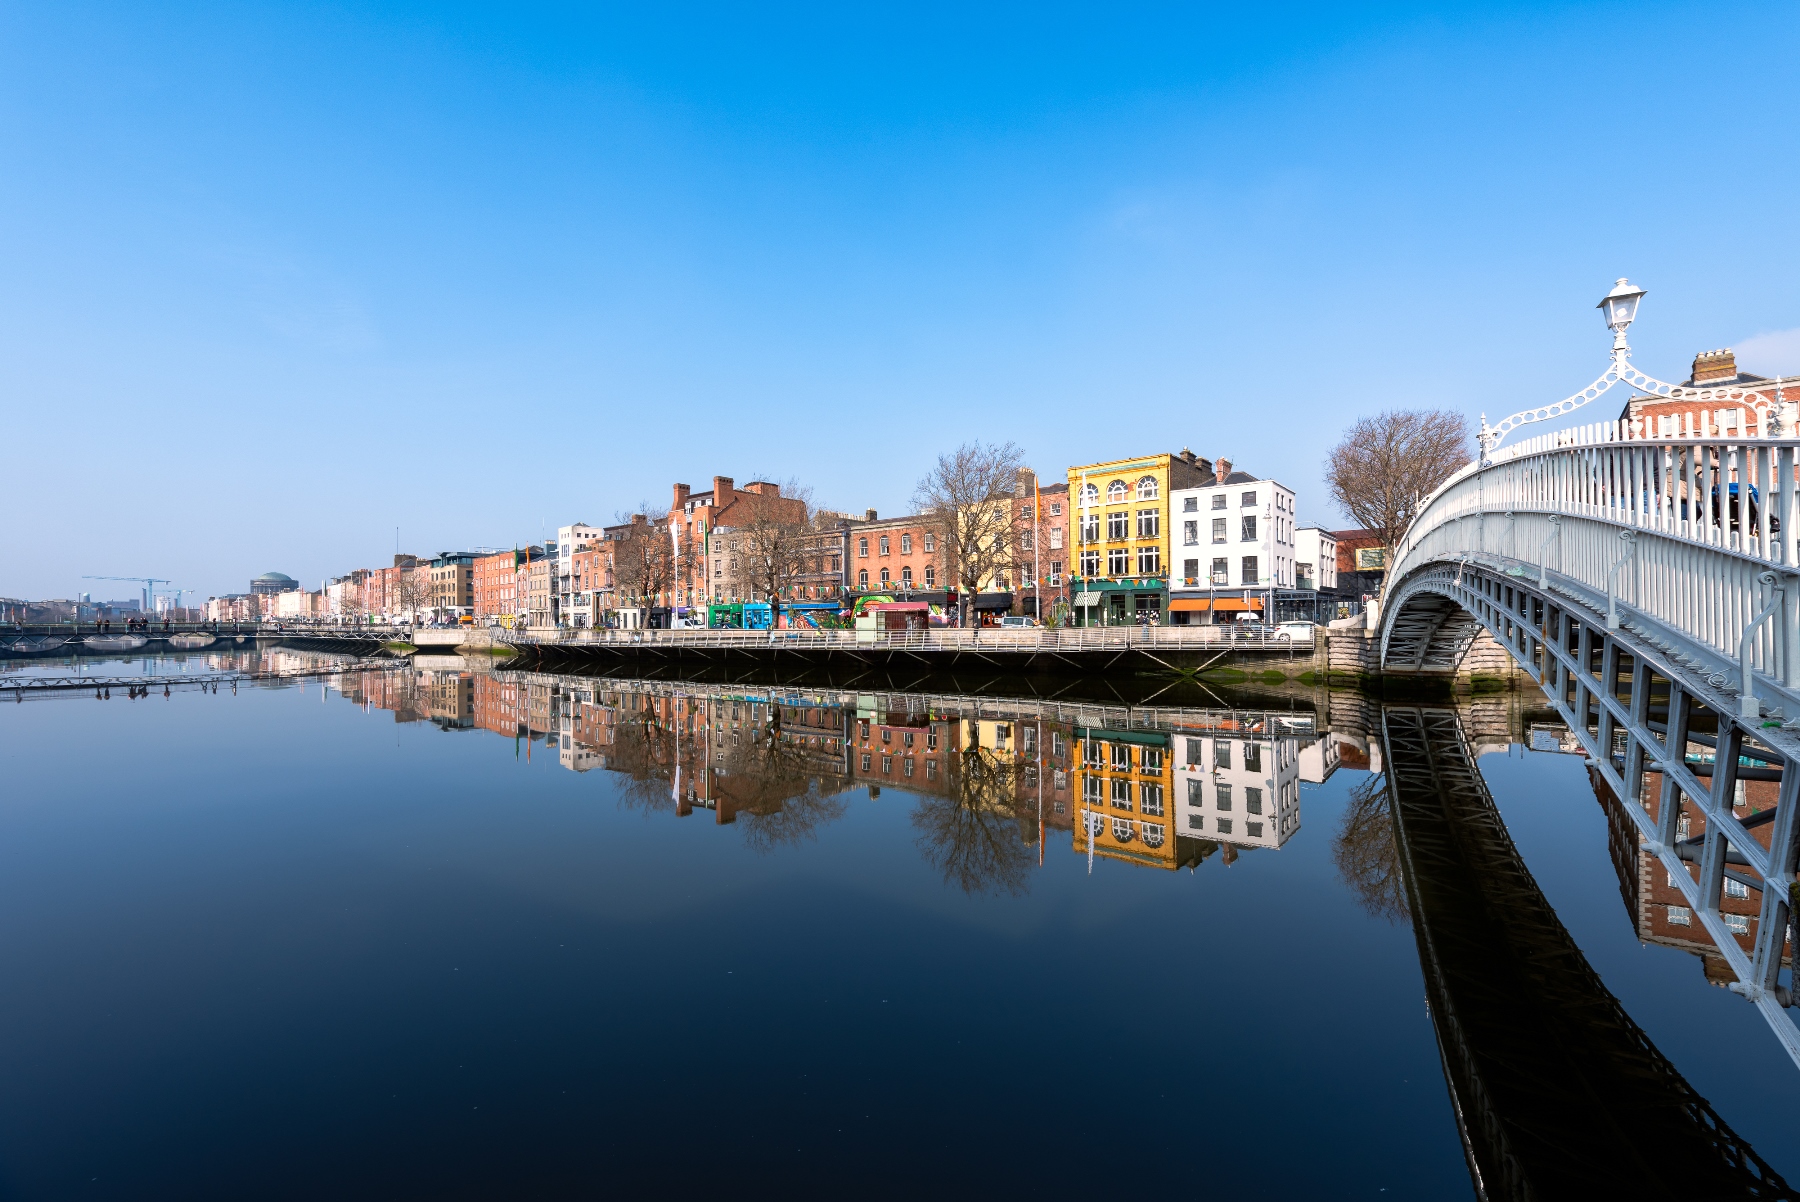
<point>1651,588</point>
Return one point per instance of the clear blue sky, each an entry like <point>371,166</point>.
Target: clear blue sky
<point>275,279</point>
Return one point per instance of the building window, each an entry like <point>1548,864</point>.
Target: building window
<point>1090,527</point>
<point>1190,534</point>
<point>930,769</point>
<point>1196,792</point>
<point>1253,757</point>
<point>1249,532</point>
<point>884,544</point>
<point>887,765</point>
<point>1118,525</point>
<point>1190,505</point>
<point>1221,573</point>
<point>931,542</point>
<point>1253,830</point>
<point>930,577</point>
<point>1121,795</point>
<point>907,768</point>
<point>862,548</point>
<point>1149,561</point>
<point>1121,828</point>
<point>1150,799</point>
<point>1056,538</point>
<point>865,761</point>
<point>906,544</point>
<point>862,578</point>
<point>1056,509</point>
<point>1252,799</point>
<point>1218,530</point>
<point>1121,757</point>
<point>1249,576</point>
<point>1222,798</point>
<point>1221,753</point>
<point>1153,834</point>
<point>1146,488</point>
<point>1196,753</point>
<point>1149,523</point>
<point>1150,759</point>
<point>1090,790</point>
<point>1196,822</point>
<point>1116,491</point>
<point>1737,924</point>
<point>1680,916</point>
<point>1224,826</point>
<point>905,577</point>
<point>1736,888</point>
<point>884,577</point>
<point>1090,564</point>
<point>1249,498</point>
<point>1118,562</point>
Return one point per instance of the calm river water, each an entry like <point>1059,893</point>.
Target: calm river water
<point>428,933</point>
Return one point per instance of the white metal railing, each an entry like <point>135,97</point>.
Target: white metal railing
<point>1695,532</point>
<point>984,639</point>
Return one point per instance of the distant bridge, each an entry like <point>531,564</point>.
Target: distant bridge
<point>1651,586</point>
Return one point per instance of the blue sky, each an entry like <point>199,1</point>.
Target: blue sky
<point>277,279</point>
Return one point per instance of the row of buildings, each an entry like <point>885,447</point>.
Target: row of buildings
<point>1164,538</point>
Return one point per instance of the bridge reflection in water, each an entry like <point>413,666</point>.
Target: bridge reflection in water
<point>1556,1091</point>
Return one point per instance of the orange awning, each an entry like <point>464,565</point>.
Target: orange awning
<point>1189,605</point>
<point>1237,604</point>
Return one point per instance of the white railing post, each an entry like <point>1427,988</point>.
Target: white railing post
<point>1544,550</point>
<point>1629,538</point>
<point>1748,706</point>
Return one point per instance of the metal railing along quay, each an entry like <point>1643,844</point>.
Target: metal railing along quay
<point>1054,640</point>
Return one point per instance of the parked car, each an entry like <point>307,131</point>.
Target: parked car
<point>1296,631</point>
<point>1017,620</point>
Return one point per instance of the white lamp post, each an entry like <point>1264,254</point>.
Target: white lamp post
<point>1619,307</point>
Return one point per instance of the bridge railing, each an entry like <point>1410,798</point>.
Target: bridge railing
<point>972,639</point>
<point>1695,532</point>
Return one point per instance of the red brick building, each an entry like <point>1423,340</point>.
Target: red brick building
<point>696,515</point>
<point>1720,399</point>
<point>496,579</point>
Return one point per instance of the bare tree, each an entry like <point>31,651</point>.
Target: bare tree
<point>643,556</point>
<point>771,542</point>
<point>968,501</point>
<point>410,591</point>
<point>1366,855</point>
<point>976,834</point>
<point>1387,464</point>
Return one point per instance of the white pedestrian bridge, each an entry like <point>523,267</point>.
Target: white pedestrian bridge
<point>1650,583</point>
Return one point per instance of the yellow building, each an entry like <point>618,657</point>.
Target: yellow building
<point>1122,783</point>
<point>1122,538</point>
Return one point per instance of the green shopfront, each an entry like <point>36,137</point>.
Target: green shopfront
<point>1126,602</point>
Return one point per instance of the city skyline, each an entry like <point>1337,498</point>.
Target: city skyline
<point>283,281</point>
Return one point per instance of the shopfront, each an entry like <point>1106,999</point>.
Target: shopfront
<point>1205,611</point>
<point>1120,602</point>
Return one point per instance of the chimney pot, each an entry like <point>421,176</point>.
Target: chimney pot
<point>1710,366</point>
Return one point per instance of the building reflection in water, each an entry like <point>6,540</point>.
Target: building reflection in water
<point>991,778</point>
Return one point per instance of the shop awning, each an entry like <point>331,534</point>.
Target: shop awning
<point>1201,605</point>
<point>993,601</point>
<point>897,606</point>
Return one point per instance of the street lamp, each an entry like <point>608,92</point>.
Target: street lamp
<point>1619,307</point>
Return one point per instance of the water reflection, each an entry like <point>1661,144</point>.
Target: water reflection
<point>991,778</point>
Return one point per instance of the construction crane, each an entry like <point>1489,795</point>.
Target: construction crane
<point>149,583</point>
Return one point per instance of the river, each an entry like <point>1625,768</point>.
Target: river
<point>412,931</point>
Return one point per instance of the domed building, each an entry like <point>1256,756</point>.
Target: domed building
<point>273,582</point>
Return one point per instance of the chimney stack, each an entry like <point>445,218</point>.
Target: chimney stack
<point>1221,469</point>
<point>868,515</point>
<point>1186,456</point>
<point>681,496</point>
<point>1712,366</point>
<point>722,491</point>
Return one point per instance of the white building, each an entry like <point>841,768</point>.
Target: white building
<point>1238,788</point>
<point>1315,556</point>
<point>578,536</point>
<point>1233,545</point>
